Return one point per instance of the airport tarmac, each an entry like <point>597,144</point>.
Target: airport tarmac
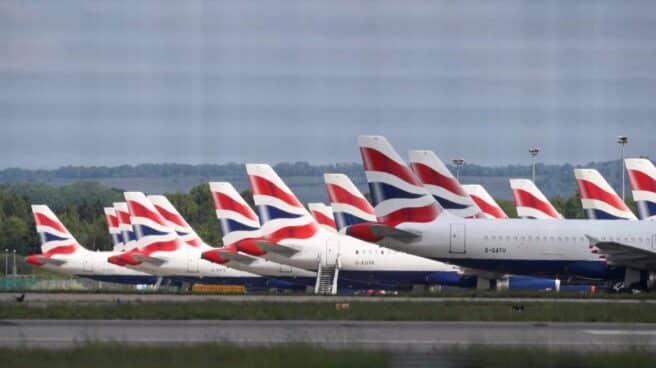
<point>103,298</point>
<point>390,336</point>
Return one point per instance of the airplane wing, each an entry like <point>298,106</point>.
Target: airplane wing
<point>149,259</point>
<point>626,255</point>
<point>283,250</point>
<point>237,257</point>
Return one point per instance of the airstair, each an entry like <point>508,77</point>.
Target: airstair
<point>327,277</point>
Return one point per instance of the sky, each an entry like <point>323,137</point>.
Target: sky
<point>124,82</point>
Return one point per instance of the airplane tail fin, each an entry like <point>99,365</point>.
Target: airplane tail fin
<point>642,176</point>
<point>125,225</point>
<point>113,227</point>
<point>531,202</point>
<point>151,228</point>
<point>397,194</point>
<point>55,237</point>
<point>324,215</point>
<point>350,207</point>
<point>442,185</point>
<point>484,201</point>
<point>281,213</point>
<point>240,225</point>
<point>599,199</point>
<point>174,220</point>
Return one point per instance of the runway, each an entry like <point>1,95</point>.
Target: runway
<point>389,336</point>
<point>98,298</point>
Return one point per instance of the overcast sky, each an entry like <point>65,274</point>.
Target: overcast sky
<point>108,83</point>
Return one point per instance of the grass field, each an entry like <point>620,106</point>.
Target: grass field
<point>359,311</point>
<point>110,356</point>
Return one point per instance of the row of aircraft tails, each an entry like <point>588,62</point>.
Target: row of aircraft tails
<point>422,227</point>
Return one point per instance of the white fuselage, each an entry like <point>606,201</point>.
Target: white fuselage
<point>186,261</point>
<point>354,255</point>
<point>88,263</point>
<point>523,246</point>
<point>265,267</point>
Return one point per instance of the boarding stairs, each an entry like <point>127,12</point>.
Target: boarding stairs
<point>327,277</point>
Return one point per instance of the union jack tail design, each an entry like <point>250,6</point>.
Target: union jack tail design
<point>484,201</point>
<point>324,215</point>
<point>530,201</point>
<point>152,230</point>
<point>55,238</point>
<point>239,223</point>
<point>642,175</point>
<point>281,213</point>
<point>113,226</point>
<point>349,206</point>
<point>397,194</point>
<point>175,221</point>
<point>125,224</point>
<point>598,198</point>
<point>444,187</point>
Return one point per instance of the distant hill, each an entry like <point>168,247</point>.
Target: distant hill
<point>304,178</point>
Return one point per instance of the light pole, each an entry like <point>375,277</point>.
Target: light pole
<point>6,262</point>
<point>14,266</point>
<point>534,154</point>
<point>622,140</point>
<point>458,162</point>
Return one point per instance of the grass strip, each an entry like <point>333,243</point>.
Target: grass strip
<point>291,356</point>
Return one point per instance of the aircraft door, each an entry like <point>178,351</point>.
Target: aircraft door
<point>653,242</point>
<point>457,241</point>
<point>331,252</point>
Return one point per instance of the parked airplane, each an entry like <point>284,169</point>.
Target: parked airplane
<point>484,201</point>
<point>598,198</point>
<point>240,228</point>
<point>61,252</point>
<point>356,261</point>
<point>355,207</point>
<point>442,185</point>
<point>411,220</point>
<point>323,214</point>
<point>161,251</point>
<point>530,202</point>
<point>642,176</point>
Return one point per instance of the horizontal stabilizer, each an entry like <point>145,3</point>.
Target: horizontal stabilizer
<point>235,257</point>
<point>276,248</point>
<point>385,231</point>
<point>625,255</point>
<point>148,259</point>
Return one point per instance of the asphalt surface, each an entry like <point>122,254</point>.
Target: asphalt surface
<point>91,298</point>
<point>390,336</point>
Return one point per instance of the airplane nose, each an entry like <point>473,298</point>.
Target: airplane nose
<point>213,256</point>
<point>33,259</point>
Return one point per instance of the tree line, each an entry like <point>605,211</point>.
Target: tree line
<point>80,208</point>
<point>552,179</point>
